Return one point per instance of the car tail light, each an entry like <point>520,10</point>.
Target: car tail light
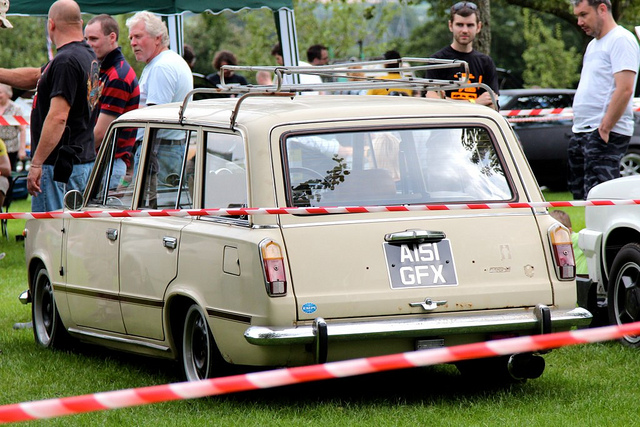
<point>562,247</point>
<point>274,274</point>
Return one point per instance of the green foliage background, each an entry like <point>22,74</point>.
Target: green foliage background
<point>537,40</point>
<point>549,63</point>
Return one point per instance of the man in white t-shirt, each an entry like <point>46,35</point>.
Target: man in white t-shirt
<point>167,76</point>
<point>602,107</point>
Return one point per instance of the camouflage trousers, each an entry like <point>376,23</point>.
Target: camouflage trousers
<point>592,161</point>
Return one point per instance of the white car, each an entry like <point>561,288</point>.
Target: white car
<point>295,289</point>
<point>611,244</point>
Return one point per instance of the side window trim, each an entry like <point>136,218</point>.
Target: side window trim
<point>226,166</point>
<point>108,156</point>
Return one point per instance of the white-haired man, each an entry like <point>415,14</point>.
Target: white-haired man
<point>167,76</point>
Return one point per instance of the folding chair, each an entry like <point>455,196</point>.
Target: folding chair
<point>7,202</point>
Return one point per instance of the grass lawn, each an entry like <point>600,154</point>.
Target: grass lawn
<point>594,384</point>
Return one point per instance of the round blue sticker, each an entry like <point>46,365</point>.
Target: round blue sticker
<point>309,308</point>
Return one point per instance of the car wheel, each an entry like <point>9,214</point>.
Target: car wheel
<point>624,290</point>
<point>200,356</point>
<point>48,330</point>
<point>630,163</point>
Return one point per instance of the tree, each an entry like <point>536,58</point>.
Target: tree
<point>507,37</point>
<point>548,62</point>
<point>347,28</point>
<point>17,46</point>
<point>207,33</point>
<point>625,12</point>
<point>483,40</point>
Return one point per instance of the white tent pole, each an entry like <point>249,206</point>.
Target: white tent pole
<point>289,38</point>
<point>175,25</point>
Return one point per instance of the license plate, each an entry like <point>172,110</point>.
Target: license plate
<point>412,265</point>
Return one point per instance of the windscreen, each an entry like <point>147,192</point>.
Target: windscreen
<point>395,167</point>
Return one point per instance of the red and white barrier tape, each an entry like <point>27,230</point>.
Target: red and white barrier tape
<point>542,114</point>
<point>546,111</point>
<point>514,116</point>
<point>309,211</point>
<point>51,408</point>
<point>540,119</point>
<point>14,121</point>
<point>536,112</point>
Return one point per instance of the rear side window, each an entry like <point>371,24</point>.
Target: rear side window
<point>395,167</point>
<point>168,169</point>
<point>225,175</point>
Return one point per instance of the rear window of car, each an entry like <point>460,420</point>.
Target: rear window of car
<point>532,102</point>
<point>394,167</point>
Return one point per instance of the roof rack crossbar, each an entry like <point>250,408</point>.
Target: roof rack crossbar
<point>342,77</point>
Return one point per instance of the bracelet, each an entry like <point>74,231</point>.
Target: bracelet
<point>36,166</point>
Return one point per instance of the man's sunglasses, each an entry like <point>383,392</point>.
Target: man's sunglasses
<point>469,5</point>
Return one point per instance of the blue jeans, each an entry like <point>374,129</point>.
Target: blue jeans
<point>52,195</point>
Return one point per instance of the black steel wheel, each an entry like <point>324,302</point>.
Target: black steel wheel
<point>199,351</point>
<point>48,330</point>
<point>624,290</point>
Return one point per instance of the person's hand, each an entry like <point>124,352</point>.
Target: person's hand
<point>22,154</point>
<point>485,99</point>
<point>33,180</point>
<point>604,134</point>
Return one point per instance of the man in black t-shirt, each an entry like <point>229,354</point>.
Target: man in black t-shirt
<point>67,92</point>
<point>465,25</point>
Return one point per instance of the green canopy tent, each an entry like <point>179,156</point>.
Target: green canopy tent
<point>174,9</point>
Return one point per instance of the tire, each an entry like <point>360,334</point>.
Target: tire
<point>48,329</point>
<point>624,290</point>
<point>200,356</point>
<point>630,163</point>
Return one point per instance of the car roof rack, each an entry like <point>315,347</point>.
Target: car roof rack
<point>348,76</point>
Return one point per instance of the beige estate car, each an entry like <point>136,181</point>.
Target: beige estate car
<point>295,289</point>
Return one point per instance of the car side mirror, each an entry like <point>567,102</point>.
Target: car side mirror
<point>73,200</point>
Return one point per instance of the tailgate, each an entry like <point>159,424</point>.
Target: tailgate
<point>347,269</point>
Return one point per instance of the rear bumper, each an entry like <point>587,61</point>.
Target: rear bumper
<point>527,320</point>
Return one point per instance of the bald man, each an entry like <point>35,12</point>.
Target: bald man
<point>63,110</point>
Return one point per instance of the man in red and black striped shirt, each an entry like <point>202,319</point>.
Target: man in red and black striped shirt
<point>119,92</point>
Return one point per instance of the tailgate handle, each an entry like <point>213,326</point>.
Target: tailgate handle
<point>112,234</point>
<point>428,304</point>
<point>170,242</point>
<point>414,236</point>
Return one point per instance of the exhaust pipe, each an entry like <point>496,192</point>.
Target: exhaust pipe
<point>525,366</point>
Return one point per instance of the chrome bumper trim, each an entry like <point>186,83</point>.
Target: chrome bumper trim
<point>433,325</point>
<point>25,297</point>
<point>129,341</point>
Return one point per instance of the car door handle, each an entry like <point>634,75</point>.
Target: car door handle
<point>112,234</point>
<point>414,236</point>
<point>170,242</point>
<point>428,304</point>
